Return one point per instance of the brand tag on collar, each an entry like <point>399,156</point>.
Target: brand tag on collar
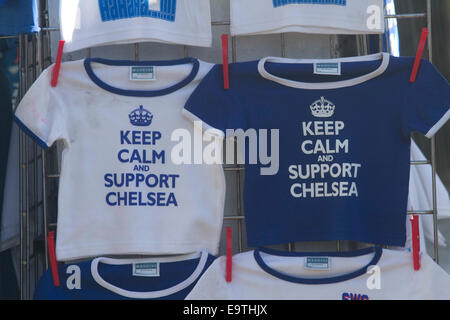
<point>317,263</point>
<point>330,68</point>
<point>149,269</point>
<point>142,73</point>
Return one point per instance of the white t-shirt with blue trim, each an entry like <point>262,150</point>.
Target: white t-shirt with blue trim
<point>367,274</point>
<point>88,23</point>
<point>251,17</point>
<point>119,190</point>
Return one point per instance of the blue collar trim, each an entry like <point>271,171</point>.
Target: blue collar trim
<point>377,250</point>
<point>141,93</point>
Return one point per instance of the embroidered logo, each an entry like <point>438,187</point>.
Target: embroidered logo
<point>141,117</point>
<point>322,108</point>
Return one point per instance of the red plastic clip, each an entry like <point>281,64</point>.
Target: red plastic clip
<point>57,66</point>
<point>229,255</point>
<point>52,257</point>
<point>226,81</point>
<point>415,241</point>
<point>423,39</point>
<point>16,61</point>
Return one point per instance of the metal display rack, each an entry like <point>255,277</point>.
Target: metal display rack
<point>38,168</point>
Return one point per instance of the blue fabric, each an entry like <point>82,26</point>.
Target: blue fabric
<point>378,116</point>
<point>171,273</point>
<point>19,16</point>
<point>9,289</point>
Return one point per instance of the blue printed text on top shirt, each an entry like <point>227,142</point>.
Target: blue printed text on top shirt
<point>125,9</point>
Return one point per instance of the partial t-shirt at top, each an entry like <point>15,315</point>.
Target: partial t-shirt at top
<point>338,136</point>
<point>18,17</point>
<point>251,17</point>
<point>88,23</point>
<point>121,191</point>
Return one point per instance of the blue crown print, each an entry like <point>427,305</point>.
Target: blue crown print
<point>141,117</point>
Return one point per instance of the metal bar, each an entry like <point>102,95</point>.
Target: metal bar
<point>27,178</point>
<point>234,218</point>
<point>136,51</point>
<point>433,144</point>
<point>420,162</point>
<point>406,16</point>
<point>421,212</point>
<point>228,22</point>
<point>283,44</point>
<point>20,180</point>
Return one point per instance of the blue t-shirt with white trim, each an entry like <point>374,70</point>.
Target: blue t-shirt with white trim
<point>343,131</point>
<point>165,278</point>
<point>18,17</point>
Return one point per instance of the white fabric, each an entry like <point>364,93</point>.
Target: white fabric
<point>250,17</point>
<point>91,121</point>
<point>88,23</point>
<point>398,280</point>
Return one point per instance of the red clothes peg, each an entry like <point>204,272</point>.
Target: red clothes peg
<point>226,81</point>
<point>229,255</point>
<point>415,241</point>
<point>423,39</point>
<point>57,66</point>
<point>52,257</point>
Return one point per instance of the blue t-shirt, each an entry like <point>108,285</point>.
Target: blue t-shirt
<point>18,16</point>
<point>170,278</point>
<point>344,142</point>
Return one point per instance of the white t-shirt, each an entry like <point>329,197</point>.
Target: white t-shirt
<point>367,274</point>
<point>249,17</point>
<point>88,23</point>
<point>119,190</point>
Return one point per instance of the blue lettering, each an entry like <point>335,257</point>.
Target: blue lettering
<point>104,10</point>
<point>108,180</point>
<point>119,155</point>
<point>151,198</point>
<point>172,200</point>
<point>130,8</point>
<point>108,201</point>
<point>124,137</point>
<point>124,9</point>
<point>113,11</point>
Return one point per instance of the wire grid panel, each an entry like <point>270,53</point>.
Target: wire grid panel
<point>241,49</point>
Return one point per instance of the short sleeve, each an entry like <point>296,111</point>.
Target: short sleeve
<point>218,109</point>
<point>40,115</point>
<point>428,101</point>
<point>212,285</point>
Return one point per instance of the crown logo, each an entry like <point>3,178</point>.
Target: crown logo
<point>140,117</point>
<point>322,108</point>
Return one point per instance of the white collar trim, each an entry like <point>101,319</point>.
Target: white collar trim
<point>152,294</point>
<point>325,85</point>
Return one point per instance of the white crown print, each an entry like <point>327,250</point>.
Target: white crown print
<point>322,108</point>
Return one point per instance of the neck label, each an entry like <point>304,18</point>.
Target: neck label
<point>329,68</point>
<point>149,269</point>
<point>142,73</point>
<point>317,263</point>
